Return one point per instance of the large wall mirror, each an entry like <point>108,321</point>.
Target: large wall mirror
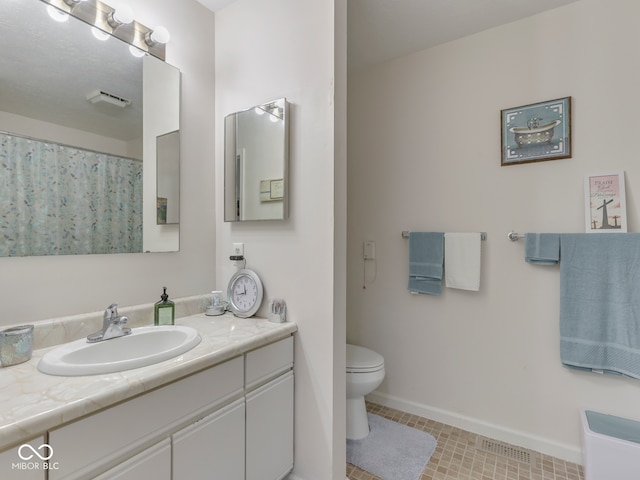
<point>256,162</point>
<point>82,127</point>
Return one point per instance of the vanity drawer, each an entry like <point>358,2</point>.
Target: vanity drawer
<point>268,362</point>
<point>101,440</point>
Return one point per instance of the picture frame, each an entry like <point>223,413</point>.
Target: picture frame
<point>605,203</point>
<point>537,132</point>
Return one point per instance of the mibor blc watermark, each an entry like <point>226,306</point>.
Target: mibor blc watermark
<point>35,458</point>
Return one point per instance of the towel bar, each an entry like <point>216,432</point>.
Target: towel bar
<point>514,237</point>
<point>405,234</point>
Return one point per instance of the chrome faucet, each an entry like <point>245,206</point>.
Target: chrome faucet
<point>112,326</point>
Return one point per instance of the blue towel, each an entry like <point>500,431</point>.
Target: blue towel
<point>426,256</point>
<point>600,302</point>
<point>542,248</point>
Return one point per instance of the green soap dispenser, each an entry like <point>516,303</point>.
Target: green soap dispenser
<point>164,310</point>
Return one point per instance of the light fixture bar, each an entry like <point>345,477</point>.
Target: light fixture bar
<point>96,13</point>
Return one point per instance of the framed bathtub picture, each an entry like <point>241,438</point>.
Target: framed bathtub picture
<point>536,132</point>
<point>605,203</point>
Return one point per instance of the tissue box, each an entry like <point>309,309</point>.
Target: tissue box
<point>16,345</point>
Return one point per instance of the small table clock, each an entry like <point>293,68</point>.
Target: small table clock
<point>244,293</point>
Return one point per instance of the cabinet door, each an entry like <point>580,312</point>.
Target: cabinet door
<point>270,430</point>
<point>212,448</point>
<point>104,439</point>
<point>154,462</point>
<point>21,462</point>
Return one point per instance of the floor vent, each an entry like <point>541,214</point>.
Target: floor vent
<point>506,450</point>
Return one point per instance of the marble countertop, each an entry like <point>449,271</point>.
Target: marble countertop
<point>32,402</point>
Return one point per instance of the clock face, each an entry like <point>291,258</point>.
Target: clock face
<point>245,293</point>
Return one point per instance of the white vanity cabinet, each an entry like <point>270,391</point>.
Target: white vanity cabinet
<point>232,421</point>
<point>269,418</point>
<point>212,447</point>
<point>105,439</point>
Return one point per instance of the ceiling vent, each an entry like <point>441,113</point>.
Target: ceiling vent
<point>100,96</point>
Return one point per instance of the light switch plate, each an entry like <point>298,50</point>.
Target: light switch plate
<point>369,250</point>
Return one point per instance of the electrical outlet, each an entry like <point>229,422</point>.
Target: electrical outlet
<point>238,249</point>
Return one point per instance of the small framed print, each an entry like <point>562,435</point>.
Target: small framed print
<point>605,203</point>
<point>536,132</point>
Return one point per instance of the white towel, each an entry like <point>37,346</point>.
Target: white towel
<point>462,260</point>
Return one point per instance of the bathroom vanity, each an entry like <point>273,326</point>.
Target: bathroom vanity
<point>222,410</point>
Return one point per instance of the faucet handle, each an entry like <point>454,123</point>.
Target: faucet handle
<point>111,311</point>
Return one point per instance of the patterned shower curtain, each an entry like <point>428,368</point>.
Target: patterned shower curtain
<point>60,200</point>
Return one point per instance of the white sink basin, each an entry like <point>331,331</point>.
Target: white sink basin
<point>144,346</point>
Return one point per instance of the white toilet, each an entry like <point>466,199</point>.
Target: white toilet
<point>365,372</point>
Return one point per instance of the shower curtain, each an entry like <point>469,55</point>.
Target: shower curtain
<point>60,200</point>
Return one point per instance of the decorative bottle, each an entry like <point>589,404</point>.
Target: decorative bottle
<point>164,310</point>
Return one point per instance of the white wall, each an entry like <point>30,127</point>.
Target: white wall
<point>36,288</point>
<point>424,154</point>
<point>285,48</point>
<point>161,116</point>
<point>29,127</point>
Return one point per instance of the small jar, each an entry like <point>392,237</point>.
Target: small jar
<point>16,345</point>
<point>218,305</point>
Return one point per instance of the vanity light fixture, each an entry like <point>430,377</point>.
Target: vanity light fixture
<point>272,109</point>
<point>122,16</point>
<point>118,22</point>
<point>156,36</point>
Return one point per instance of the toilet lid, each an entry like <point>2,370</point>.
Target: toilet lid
<point>360,359</point>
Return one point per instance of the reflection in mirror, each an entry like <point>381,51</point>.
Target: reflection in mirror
<point>256,163</point>
<point>168,178</point>
<point>75,111</point>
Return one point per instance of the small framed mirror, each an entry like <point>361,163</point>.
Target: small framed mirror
<point>256,158</point>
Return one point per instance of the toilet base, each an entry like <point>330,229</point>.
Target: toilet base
<point>357,420</point>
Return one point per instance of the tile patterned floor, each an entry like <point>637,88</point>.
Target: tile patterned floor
<point>457,456</point>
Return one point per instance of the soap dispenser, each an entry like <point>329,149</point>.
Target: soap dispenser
<point>164,310</point>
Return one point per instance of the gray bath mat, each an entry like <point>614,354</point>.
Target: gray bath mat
<point>391,451</point>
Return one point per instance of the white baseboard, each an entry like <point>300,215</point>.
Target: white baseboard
<point>566,452</point>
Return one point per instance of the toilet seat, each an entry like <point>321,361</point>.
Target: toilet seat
<point>363,360</point>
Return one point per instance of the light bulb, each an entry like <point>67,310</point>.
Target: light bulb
<point>136,52</point>
<point>57,15</point>
<point>158,35</point>
<point>122,16</point>
<point>99,34</point>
